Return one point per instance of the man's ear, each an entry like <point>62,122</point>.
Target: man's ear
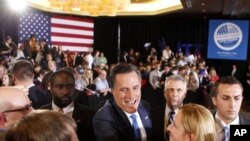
<point>214,100</point>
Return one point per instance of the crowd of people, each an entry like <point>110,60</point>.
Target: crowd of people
<point>152,96</point>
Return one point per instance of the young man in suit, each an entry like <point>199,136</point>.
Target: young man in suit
<point>124,117</point>
<point>227,98</point>
<point>174,92</point>
<point>23,74</point>
<point>62,87</point>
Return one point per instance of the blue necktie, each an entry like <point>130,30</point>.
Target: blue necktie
<point>136,127</point>
<point>226,133</point>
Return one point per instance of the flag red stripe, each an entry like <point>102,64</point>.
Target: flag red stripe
<point>73,18</point>
<point>71,26</point>
<point>71,44</point>
<point>71,35</point>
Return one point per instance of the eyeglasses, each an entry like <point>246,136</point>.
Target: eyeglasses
<point>26,108</point>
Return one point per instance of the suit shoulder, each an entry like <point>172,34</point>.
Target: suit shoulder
<point>245,118</point>
<point>84,108</point>
<point>105,109</point>
<point>47,106</point>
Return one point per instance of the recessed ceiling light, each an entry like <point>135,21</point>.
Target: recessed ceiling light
<point>204,10</point>
<point>203,4</point>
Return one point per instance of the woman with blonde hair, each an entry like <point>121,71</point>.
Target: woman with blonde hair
<point>193,122</point>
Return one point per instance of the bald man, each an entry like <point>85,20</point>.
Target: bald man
<point>14,104</point>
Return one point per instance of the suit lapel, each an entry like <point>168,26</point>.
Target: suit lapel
<point>144,115</point>
<point>121,113</point>
<point>146,119</point>
<point>76,113</point>
<point>123,121</point>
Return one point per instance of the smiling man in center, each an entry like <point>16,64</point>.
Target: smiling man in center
<point>125,117</point>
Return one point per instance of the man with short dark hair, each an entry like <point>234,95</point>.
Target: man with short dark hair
<point>62,88</point>
<point>124,117</point>
<point>23,76</point>
<point>227,98</point>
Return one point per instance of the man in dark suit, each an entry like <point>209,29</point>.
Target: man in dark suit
<point>124,117</point>
<point>23,77</point>
<point>62,87</point>
<point>174,92</point>
<point>227,98</point>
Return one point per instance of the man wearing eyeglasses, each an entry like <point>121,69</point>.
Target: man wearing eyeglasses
<point>14,105</point>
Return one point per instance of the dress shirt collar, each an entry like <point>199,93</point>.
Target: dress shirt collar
<point>68,110</point>
<point>129,114</point>
<point>31,85</point>
<point>221,124</point>
<point>168,110</point>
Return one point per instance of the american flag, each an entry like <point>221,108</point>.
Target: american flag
<point>70,33</point>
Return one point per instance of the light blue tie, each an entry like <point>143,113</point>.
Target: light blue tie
<point>226,133</point>
<point>136,127</point>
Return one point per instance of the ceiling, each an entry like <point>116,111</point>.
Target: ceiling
<point>219,8</point>
<point>135,8</point>
<point>179,8</point>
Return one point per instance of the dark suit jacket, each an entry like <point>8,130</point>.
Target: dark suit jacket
<point>111,123</point>
<point>243,116</point>
<point>83,118</point>
<point>38,97</point>
<point>158,116</point>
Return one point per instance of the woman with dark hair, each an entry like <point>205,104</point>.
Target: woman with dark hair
<point>6,49</point>
<point>7,80</point>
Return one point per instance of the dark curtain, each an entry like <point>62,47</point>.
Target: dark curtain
<point>106,38</point>
<point>136,31</point>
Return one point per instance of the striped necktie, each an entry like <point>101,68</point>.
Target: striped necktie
<point>171,117</point>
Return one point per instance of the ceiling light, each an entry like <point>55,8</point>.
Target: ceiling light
<point>90,7</point>
<point>17,5</point>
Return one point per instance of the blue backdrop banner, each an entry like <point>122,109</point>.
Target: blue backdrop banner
<point>228,39</point>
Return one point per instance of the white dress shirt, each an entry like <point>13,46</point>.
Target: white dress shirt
<point>139,122</point>
<point>68,110</point>
<point>219,125</point>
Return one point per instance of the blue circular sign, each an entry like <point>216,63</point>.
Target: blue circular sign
<point>228,36</point>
